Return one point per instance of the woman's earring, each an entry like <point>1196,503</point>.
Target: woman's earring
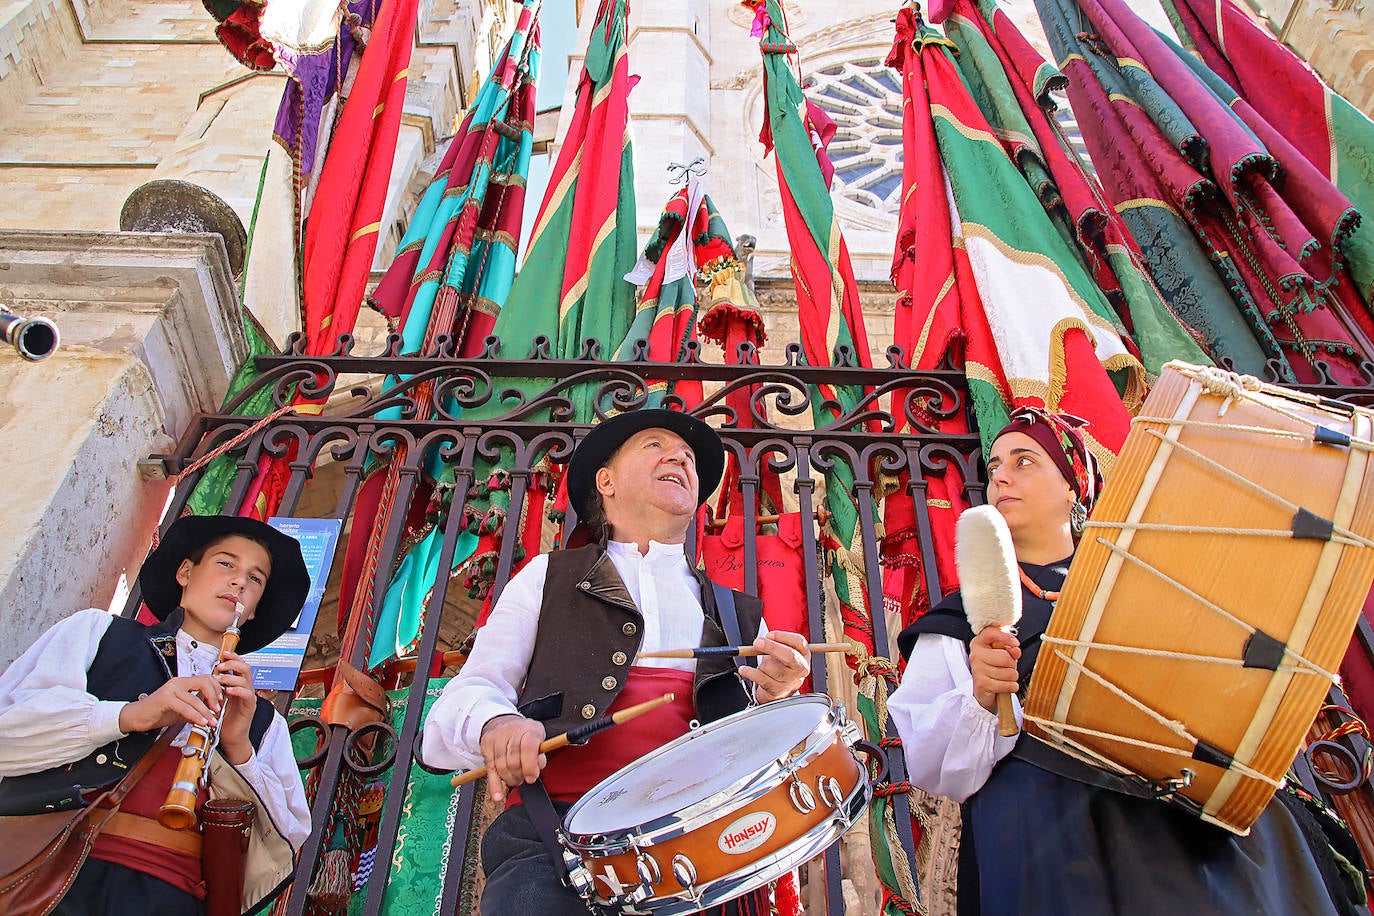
<point>1078,518</point>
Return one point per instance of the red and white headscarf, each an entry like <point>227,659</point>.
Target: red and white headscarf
<point>1058,435</point>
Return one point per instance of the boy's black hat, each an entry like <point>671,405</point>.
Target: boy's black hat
<point>288,584</point>
<point>601,443</point>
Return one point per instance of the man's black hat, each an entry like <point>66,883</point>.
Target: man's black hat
<point>288,584</point>
<point>603,440</point>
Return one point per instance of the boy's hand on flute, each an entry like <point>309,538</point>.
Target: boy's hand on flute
<point>236,677</point>
<point>510,747</point>
<point>196,700</point>
<point>784,665</point>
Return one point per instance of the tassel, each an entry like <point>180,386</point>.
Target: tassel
<point>788,896</point>
<point>333,884</point>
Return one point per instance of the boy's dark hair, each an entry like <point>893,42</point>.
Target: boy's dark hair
<point>199,553</point>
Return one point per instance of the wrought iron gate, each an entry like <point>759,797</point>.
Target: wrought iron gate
<point>896,429</point>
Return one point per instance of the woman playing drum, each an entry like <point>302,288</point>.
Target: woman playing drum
<point>1042,832</point>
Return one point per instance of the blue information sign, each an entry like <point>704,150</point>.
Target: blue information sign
<point>277,665</point>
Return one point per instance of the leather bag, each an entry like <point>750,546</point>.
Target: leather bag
<point>40,854</point>
<point>355,700</point>
<point>227,825</point>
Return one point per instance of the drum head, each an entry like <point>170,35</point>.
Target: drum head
<point>697,765</point>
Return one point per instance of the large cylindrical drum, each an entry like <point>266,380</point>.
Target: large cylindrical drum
<point>1213,593</point>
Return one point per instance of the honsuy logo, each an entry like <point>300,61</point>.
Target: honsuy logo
<point>746,833</point>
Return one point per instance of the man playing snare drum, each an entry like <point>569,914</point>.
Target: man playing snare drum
<point>560,649</point>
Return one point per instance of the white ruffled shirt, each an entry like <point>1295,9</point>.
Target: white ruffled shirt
<point>950,742</point>
<point>47,719</point>
<point>664,590</point>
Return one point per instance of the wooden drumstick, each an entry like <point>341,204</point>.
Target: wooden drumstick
<point>746,651</point>
<point>990,584</point>
<point>576,734</point>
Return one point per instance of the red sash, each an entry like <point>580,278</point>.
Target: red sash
<point>178,869</point>
<point>573,770</point>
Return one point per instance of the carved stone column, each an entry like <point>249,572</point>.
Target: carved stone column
<point>210,182</point>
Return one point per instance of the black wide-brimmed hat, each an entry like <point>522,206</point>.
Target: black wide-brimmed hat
<point>603,440</point>
<point>288,584</point>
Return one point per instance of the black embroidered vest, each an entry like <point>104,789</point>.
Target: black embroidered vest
<point>133,660</point>
<point>589,633</point>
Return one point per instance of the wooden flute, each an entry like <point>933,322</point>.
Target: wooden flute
<point>178,811</point>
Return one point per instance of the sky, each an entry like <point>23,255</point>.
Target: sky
<point>558,34</point>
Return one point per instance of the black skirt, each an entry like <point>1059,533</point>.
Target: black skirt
<point>1038,843</point>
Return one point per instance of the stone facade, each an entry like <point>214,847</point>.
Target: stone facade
<point>1335,36</point>
<point>97,101</point>
<point>150,337</point>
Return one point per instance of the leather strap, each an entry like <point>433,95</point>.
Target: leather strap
<point>113,798</point>
<point>146,830</point>
<point>546,822</point>
<point>725,610</point>
<point>1044,756</point>
<point>102,810</point>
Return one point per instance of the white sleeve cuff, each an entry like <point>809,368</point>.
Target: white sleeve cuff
<point>482,712</point>
<point>104,721</point>
<point>1001,746</point>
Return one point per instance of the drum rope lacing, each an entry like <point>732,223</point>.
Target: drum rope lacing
<point>1179,656</point>
<point>1339,534</point>
<point>1174,726</point>
<point>1232,386</point>
<point>1300,664</point>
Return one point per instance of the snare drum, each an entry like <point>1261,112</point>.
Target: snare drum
<point>720,811</point>
<point>1214,592</point>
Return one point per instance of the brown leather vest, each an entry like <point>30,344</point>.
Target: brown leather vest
<point>589,633</point>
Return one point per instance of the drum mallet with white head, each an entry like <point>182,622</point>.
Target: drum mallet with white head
<point>989,583</point>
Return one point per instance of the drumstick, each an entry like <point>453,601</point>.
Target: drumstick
<point>746,651</point>
<point>989,583</point>
<point>576,734</point>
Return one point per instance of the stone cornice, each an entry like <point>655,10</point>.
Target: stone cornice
<point>168,299</point>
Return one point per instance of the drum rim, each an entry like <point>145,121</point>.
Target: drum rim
<point>742,792</point>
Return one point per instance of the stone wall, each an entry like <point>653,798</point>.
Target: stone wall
<point>1337,39</point>
<point>150,337</point>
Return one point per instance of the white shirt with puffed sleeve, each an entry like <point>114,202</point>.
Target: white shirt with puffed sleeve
<point>663,588</point>
<point>949,740</point>
<point>48,719</point>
